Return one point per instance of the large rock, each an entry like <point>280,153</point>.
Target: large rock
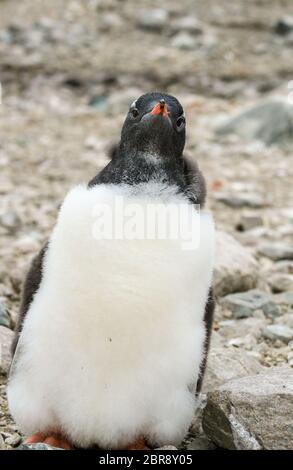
<point>225,364</point>
<point>236,270</point>
<point>254,412</point>
<point>270,122</point>
<point>6,338</point>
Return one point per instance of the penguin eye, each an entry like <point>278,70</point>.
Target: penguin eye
<point>180,123</point>
<point>134,112</point>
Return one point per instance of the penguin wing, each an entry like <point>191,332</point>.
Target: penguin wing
<point>208,321</point>
<point>31,285</point>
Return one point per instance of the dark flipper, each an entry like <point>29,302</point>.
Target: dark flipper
<point>208,320</point>
<point>31,285</point>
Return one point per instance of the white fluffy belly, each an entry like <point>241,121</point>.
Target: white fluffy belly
<point>113,340</point>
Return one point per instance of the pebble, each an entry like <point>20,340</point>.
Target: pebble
<point>241,200</point>
<point>13,441</point>
<point>184,41</point>
<point>153,20</point>
<point>269,121</point>
<point>284,25</point>
<point>281,282</point>
<point>4,316</point>
<point>2,443</point>
<point>187,24</point>
<point>278,332</point>
<point>248,222</point>
<point>276,251</point>
<point>286,298</point>
<point>11,221</point>
<point>201,443</point>
<point>244,304</point>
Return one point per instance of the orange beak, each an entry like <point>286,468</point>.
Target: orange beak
<point>160,108</point>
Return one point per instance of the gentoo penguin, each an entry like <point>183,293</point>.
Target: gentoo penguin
<point>113,333</point>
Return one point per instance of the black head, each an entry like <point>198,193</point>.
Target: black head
<point>155,124</point>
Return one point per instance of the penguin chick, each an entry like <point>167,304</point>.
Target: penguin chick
<point>114,331</point>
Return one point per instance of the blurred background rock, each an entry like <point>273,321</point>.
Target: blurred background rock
<point>70,69</point>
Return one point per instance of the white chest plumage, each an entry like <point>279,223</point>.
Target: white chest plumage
<point>113,340</point>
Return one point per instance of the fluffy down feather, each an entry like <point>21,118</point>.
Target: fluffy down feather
<point>113,339</point>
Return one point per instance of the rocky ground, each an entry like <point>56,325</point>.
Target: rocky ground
<point>69,71</point>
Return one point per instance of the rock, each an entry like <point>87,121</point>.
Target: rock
<point>235,268</point>
<point>201,443</point>
<point>37,446</point>
<point>270,122</point>
<point>248,222</point>
<point>110,20</point>
<point>289,359</point>
<point>187,24</point>
<point>276,251</point>
<point>153,20</point>
<point>284,25</point>
<point>241,200</point>
<point>225,364</point>
<point>6,338</point>
<point>254,412</point>
<point>286,298</point>
<point>13,441</point>
<point>244,304</point>
<point>184,41</point>
<point>231,329</point>
<point>2,443</point>
<point>4,316</point>
<point>11,221</point>
<point>278,332</point>
<point>281,282</point>
<point>285,267</point>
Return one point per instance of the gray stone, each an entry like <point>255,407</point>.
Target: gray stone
<point>254,412</point>
<point>188,24</point>
<point>11,221</point>
<point>244,304</point>
<point>285,298</point>
<point>225,364</point>
<point>183,41</point>
<point>37,446</point>
<point>2,443</point>
<point>270,122</point>
<point>285,267</point>
<point>231,329</point>
<point>241,200</point>
<point>248,222</point>
<point>284,25</point>
<point>201,443</point>
<point>281,282</point>
<point>6,338</point>
<point>278,332</point>
<point>153,20</point>
<point>13,441</point>
<point>4,316</point>
<point>236,270</point>
<point>276,251</point>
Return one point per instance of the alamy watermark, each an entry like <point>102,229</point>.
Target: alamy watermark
<point>122,220</point>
